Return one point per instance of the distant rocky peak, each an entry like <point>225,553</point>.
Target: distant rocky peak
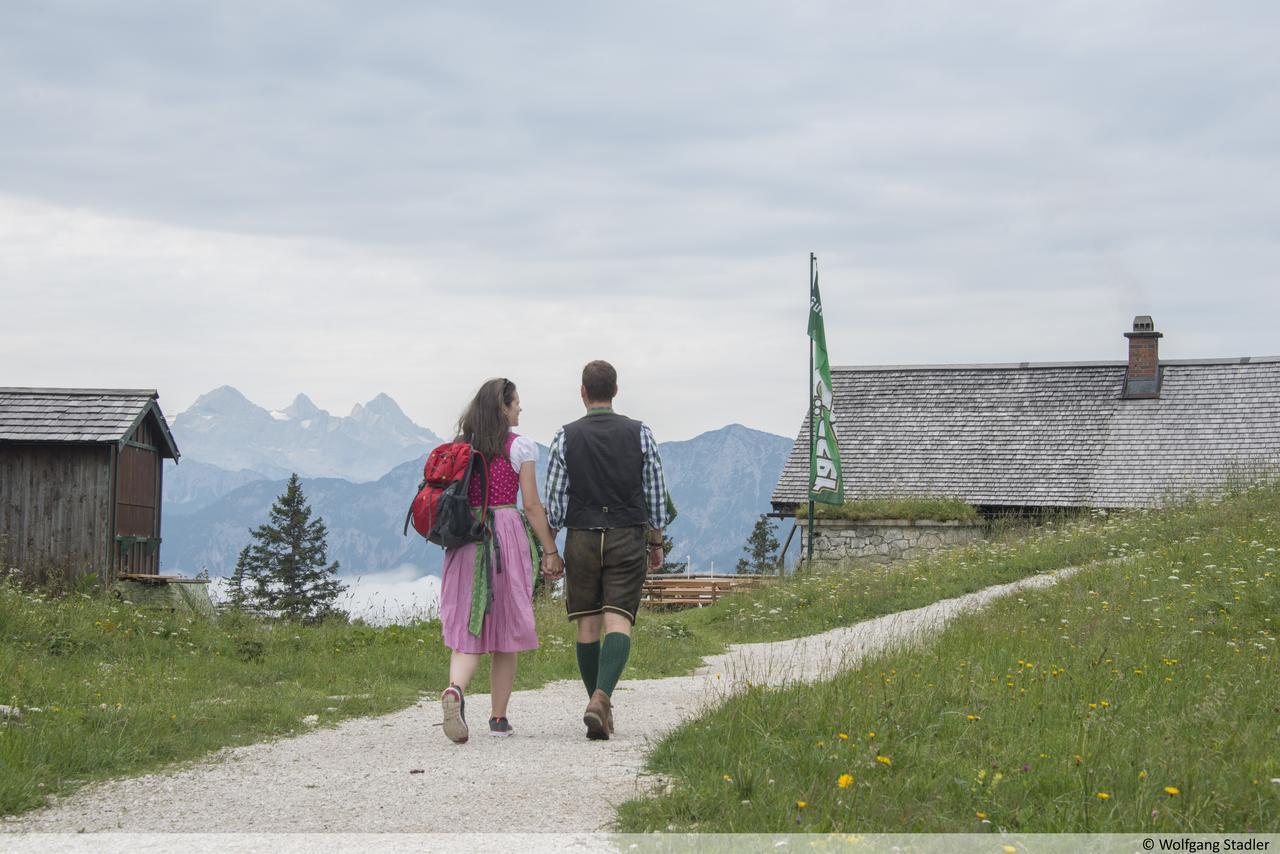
<point>226,430</point>
<point>382,409</point>
<point>736,433</point>
<point>384,405</point>
<point>224,400</point>
<point>303,408</point>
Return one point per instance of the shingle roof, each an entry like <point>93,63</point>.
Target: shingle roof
<point>1046,434</point>
<point>78,415</point>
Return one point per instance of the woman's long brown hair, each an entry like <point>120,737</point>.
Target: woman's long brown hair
<point>483,423</point>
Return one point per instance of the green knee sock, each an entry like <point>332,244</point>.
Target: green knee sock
<point>589,664</point>
<point>613,657</point>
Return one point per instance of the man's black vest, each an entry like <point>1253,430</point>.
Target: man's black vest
<point>606,472</point>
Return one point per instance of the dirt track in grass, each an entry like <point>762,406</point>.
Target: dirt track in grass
<point>398,773</point>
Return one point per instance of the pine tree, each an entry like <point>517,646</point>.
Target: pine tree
<point>761,549</point>
<point>667,566</point>
<point>237,598</point>
<point>285,564</point>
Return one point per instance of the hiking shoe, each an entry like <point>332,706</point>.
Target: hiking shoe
<point>454,707</point>
<point>500,728</point>
<point>598,716</point>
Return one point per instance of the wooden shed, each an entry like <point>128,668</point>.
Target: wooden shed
<point>80,482</point>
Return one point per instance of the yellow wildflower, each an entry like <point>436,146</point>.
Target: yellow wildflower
<point>972,718</point>
<point>843,736</point>
<point>884,760</point>
<point>845,781</point>
<point>1102,796</point>
<point>1008,849</point>
<point>981,815</point>
<point>1171,790</point>
<point>727,778</point>
<point>801,804</point>
<point>871,734</point>
<point>1142,775</point>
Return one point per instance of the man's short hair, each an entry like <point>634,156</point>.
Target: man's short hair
<point>600,380</point>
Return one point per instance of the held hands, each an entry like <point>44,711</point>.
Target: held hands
<point>553,563</point>
<point>552,566</point>
<point>656,557</point>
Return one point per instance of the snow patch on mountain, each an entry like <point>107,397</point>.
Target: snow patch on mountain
<point>720,481</point>
<point>225,429</point>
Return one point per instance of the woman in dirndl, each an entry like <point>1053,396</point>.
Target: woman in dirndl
<point>486,593</point>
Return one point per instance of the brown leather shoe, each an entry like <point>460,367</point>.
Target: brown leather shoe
<point>598,716</point>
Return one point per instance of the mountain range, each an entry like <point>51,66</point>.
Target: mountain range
<point>237,456</point>
<point>225,429</point>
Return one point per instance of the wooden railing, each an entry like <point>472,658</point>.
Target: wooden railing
<point>684,591</point>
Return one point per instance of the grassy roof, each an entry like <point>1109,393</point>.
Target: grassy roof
<point>908,508</point>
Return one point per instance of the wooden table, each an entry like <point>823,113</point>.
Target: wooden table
<point>693,590</point>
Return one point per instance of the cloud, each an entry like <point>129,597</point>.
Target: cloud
<point>379,598</point>
<point>327,200</point>
<point>397,596</point>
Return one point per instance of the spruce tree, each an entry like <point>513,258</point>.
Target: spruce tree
<point>285,563</point>
<point>237,598</point>
<point>761,549</point>
<point>668,567</point>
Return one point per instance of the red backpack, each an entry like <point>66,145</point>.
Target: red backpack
<point>442,511</point>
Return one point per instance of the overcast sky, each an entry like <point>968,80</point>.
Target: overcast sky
<point>344,199</point>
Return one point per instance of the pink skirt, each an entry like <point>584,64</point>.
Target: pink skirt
<point>508,627</point>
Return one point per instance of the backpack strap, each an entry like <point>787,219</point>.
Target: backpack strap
<point>484,470</point>
<point>408,516</point>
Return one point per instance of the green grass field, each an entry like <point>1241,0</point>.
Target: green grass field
<point>123,689</point>
<point>1136,696</point>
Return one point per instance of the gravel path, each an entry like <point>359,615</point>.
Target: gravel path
<point>356,777</point>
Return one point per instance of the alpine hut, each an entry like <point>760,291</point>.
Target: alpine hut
<point>80,482</point>
<point>1031,436</point>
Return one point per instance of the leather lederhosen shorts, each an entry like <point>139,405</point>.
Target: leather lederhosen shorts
<point>604,570</point>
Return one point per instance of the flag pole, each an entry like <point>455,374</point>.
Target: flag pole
<point>809,490</point>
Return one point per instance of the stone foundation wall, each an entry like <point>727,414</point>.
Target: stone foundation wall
<point>885,540</point>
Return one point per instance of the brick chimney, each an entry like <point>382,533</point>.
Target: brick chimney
<point>1142,378</point>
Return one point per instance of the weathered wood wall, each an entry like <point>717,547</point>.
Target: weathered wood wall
<point>138,504</point>
<point>55,508</point>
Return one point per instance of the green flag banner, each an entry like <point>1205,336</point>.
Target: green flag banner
<point>826,483</point>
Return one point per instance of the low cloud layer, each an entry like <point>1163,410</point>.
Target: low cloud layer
<point>400,595</point>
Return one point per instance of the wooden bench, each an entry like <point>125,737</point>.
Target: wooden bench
<point>684,591</point>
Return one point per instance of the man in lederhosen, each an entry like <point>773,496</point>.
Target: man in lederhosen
<point>605,484</point>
